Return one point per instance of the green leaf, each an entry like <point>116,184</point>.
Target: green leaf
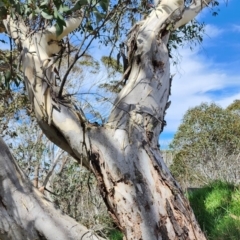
<point>46,15</point>
<point>8,75</point>
<point>59,26</point>
<point>55,13</point>
<point>59,29</point>
<point>98,16</point>
<point>61,17</point>
<point>57,3</point>
<point>79,5</point>
<point>44,3</point>
<point>104,4</point>
<point>38,10</point>
<point>27,9</point>
<point>58,16</point>
<point>65,8</point>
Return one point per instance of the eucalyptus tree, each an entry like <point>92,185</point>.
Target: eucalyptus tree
<point>140,193</point>
<point>206,145</point>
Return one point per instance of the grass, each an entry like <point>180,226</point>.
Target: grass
<point>115,235</point>
<point>217,209</point>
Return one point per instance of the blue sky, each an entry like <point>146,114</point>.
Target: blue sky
<point>209,73</point>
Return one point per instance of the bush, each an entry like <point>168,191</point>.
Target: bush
<point>217,209</point>
<point>206,146</point>
<point>115,235</point>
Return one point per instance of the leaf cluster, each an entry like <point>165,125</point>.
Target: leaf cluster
<point>206,143</point>
<point>9,73</point>
<point>77,195</point>
<point>208,127</point>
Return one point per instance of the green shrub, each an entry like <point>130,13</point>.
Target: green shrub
<point>115,235</point>
<point>217,209</point>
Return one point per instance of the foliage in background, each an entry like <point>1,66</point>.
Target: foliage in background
<point>206,146</point>
<point>217,209</point>
<point>103,21</point>
<point>77,195</point>
<point>74,188</point>
<point>234,107</point>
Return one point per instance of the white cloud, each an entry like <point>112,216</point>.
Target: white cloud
<point>212,31</point>
<point>197,76</point>
<point>228,100</point>
<point>236,28</point>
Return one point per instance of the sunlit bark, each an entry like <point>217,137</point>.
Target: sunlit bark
<point>142,196</point>
<point>26,214</point>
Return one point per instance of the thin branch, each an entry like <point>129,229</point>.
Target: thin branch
<point>56,160</point>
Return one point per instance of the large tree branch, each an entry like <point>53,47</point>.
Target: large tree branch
<point>71,25</point>
<point>26,214</point>
<point>191,12</point>
<point>59,120</point>
<point>138,119</point>
<point>17,33</point>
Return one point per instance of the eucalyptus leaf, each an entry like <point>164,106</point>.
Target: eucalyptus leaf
<point>44,3</point>
<point>64,8</point>
<point>46,15</point>
<point>104,4</point>
<point>79,4</point>
<point>98,16</point>
<point>59,26</point>
<point>59,29</point>
<point>55,13</point>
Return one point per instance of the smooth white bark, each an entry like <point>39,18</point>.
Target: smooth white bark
<point>142,196</point>
<point>71,25</point>
<point>191,12</point>
<point>26,214</point>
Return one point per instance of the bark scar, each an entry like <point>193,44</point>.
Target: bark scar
<point>2,202</point>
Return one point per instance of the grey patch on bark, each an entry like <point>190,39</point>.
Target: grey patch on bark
<point>3,204</point>
<point>41,236</point>
<point>178,229</point>
<point>178,204</point>
<point>163,232</point>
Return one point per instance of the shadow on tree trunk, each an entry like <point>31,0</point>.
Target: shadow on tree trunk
<point>27,214</point>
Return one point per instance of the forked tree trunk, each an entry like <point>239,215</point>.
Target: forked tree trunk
<point>142,196</point>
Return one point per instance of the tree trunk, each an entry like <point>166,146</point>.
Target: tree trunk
<point>142,196</point>
<point>25,213</point>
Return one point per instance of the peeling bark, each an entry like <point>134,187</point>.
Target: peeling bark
<point>143,198</point>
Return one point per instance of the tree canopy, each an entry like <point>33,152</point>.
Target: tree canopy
<point>206,144</point>
<point>104,23</point>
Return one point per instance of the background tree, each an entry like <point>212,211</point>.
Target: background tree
<point>143,198</point>
<point>206,145</point>
<point>234,107</point>
<point>70,186</point>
